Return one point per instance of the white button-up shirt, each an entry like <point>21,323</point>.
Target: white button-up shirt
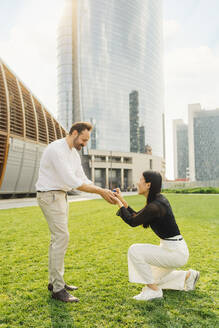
<point>60,168</point>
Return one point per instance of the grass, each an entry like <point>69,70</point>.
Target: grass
<point>96,261</point>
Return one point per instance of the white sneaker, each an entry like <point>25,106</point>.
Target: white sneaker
<point>148,294</point>
<point>192,280</point>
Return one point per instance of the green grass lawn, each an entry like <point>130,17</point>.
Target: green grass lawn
<point>96,261</point>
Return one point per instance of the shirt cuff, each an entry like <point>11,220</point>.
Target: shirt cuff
<point>88,181</point>
<point>118,213</point>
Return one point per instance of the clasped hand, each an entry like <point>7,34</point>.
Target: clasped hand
<point>118,197</point>
<point>113,197</point>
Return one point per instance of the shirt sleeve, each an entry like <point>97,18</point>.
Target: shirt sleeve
<point>145,216</point>
<point>131,211</point>
<point>81,175</point>
<point>64,170</point>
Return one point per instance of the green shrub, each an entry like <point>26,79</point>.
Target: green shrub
<point>197,190</point>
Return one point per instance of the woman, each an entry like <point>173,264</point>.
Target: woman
<point>154,265</point>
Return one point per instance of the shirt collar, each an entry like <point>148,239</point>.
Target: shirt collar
<point>66,145</point>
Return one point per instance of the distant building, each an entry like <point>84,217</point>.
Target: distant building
<point>196,145</point>
<point>134,121</point>
<point>181,151</point>
<point>142,139</point>
<point>93,137</point>
<point>203,143</point>
<point>148,150</point>
<point>109,169</point>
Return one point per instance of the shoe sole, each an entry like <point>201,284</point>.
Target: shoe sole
<point>67,301</point>
<point>151,299</point>
<point>196,279</point>
<point>71,290</point>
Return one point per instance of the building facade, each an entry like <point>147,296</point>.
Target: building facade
<point>142,146</point>
<point>181,150</point>
<point>26,127</point>
<point>134,121</point>
<point>109,169</point>
<point>107,49</point>
<point>197,145</point>
<point>203,143</point>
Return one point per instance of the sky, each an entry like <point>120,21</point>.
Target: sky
<point>191,54</point>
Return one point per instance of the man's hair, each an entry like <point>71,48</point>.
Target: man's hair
<point>80,126</point>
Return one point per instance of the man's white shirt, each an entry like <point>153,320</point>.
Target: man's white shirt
<point>60,168</point>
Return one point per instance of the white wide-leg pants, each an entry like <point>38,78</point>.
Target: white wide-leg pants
<point>153,264</point>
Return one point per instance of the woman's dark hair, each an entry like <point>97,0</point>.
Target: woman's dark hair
<point>155,179</point>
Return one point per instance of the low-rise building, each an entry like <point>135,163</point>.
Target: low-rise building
<point>110,169</point>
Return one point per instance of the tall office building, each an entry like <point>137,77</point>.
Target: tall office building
<point>142,146</point>
<point>203,143</point>
<point>196,145</point>
<point>134,121</point>
<point>107,49</point>
<point>181,151</point>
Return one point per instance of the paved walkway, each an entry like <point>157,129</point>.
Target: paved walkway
<point>26,202</point>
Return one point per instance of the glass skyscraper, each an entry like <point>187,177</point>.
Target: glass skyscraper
<point>206,144</point>
<point>196,145</point>
<point>181,149</point>
<point>107,49</point>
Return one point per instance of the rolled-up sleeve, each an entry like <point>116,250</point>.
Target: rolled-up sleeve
<point>81,175</point>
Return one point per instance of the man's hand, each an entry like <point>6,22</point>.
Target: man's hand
<point>108,195</point>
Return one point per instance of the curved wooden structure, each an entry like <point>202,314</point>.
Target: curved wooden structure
<point>26,127</point>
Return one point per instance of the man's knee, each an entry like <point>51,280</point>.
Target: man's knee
<point>62,238</point>
<point>66,238</point>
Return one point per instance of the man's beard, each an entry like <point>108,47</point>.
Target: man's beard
<point>77,145</point>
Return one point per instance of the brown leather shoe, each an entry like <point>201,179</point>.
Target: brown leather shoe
<point>67,287</point>
<point>64,296</point>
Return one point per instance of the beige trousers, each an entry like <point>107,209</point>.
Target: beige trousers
<point>54,206</point>
<point>153,264</point>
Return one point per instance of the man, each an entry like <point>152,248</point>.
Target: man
<point>60,171</point>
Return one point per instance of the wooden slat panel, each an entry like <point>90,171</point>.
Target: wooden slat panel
<point>29,114</point>
<point>50,127</point>
<point>63,132</point>
<point>3,140</point>
<point>3,105</point>
<point>16,115</point>
<point>3,155</point>
<point>41,121</point>
<point>58,131</point>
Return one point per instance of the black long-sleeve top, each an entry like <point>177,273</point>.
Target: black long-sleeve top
<point>157,214</point>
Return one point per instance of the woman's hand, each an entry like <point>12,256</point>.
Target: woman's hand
<point>118,202</point>
<point>118,194</point>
